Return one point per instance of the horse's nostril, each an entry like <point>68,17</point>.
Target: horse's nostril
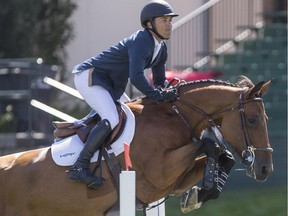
<point>265,170</point>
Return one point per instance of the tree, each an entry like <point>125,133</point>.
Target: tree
<point>36,28</point>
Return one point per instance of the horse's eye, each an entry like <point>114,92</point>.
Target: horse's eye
<point>252,120</point>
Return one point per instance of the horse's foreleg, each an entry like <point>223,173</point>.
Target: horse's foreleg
<point>212,151</point>
<point>172,164</point>
<point>179,161</point>
<point>196,196</point>
<point>191,178</point>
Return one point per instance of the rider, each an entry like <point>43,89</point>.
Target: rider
<point>101,80</point>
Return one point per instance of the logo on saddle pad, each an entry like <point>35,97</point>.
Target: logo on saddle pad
<point>66,151</point>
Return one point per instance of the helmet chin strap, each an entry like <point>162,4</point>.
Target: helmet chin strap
<point>153,29</point>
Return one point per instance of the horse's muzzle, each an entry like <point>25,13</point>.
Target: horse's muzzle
<point>260,172</point>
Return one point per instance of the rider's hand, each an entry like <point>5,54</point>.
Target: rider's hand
<point>170,94</point>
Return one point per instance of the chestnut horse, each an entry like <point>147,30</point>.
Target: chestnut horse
<point>162,152</point>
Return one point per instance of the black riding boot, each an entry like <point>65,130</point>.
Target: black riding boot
<point>80,171</point>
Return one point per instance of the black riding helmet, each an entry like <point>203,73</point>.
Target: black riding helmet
<point>153,9</point>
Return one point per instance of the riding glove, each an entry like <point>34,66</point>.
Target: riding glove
<point>169,94</point>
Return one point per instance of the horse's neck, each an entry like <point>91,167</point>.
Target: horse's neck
<point>211,100</point>
<point>158,117</point>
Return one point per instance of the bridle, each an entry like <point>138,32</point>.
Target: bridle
<point>248,154</point>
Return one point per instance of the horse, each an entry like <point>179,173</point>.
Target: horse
<point>163,153</point>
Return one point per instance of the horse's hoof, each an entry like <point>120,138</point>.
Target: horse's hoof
<point>189,200</point>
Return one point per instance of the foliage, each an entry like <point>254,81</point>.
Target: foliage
<point>36,28</point>
<point>7,120</point>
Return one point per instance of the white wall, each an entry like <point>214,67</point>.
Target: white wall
<point>99,24</point>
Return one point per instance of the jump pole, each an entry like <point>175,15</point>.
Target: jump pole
<point>127,193</point>
<point>127,190</point>
<point>128,197</point>
<point>157,211</point>
<point>52,111</point>
<point>62,87</point>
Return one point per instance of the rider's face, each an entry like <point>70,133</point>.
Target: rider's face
<point>164,26</point>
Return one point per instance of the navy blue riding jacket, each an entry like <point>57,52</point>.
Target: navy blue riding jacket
<point>128,59</point>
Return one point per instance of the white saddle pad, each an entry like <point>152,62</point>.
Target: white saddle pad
<point>65,152</point>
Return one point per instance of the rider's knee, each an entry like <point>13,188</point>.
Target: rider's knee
<point>114,121</point>
<point>106,123</point>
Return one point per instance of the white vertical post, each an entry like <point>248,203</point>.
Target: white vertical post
<point>157,211</point>
<point>127,193</point>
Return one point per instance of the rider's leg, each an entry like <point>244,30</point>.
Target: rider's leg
<point>80,171</point>
<point>100,100</point>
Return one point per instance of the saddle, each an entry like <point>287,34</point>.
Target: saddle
<point>83,126</point>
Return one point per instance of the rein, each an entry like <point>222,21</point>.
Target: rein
<point>248,154</point>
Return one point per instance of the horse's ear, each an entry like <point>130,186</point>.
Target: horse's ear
<point>256,89</point>
<point>260,89</point>
<point>265,87</point>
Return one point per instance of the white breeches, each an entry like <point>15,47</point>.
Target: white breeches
<point>97,97</point>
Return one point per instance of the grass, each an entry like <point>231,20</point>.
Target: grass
<point>248,202</point>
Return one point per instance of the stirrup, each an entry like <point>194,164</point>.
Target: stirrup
<point>189,200</point>
<point>74,169</point>
<point>77,175</point>
<point>96,184</point>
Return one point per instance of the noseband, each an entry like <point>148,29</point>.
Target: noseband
<point>248,154</point>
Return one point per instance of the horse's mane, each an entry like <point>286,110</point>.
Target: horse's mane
<point>242,82</point>
<point>245,82</point>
